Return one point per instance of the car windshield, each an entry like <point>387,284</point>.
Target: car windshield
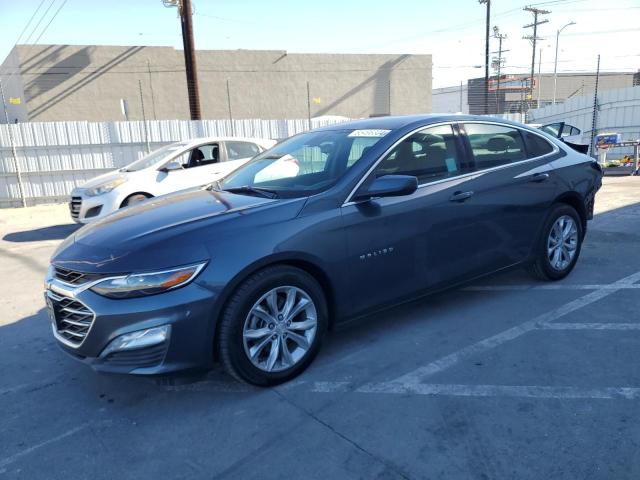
<point>154,157</point>
<point>304,164</point>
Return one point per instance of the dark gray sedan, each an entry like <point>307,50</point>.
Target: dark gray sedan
<point>328,225</point>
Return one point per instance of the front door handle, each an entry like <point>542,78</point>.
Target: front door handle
<point>539,177</point>
<point>460,196</point>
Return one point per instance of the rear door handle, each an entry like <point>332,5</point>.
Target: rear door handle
<point>460,196</point>
<point>539,177</point>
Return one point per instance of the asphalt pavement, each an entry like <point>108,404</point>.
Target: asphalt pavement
<point>507,378</point>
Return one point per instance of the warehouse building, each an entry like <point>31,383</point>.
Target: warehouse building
<point>512,94</point>
<point>103,83</point>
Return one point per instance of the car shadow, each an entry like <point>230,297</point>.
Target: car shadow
<point>54,232</point>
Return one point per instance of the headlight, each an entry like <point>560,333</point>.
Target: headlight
<point>105,187</point>
<point>142,284</point>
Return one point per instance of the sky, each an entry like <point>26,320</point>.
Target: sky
<point>452,31</point>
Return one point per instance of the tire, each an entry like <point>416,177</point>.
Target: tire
<point>251,328</point>
<point>134,199</point>
<point>551,263</point>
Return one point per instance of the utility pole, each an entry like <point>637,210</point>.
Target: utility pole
<point>498,64</point>
<point>534,38</point>
<point>14,153</point>
<point>144,118</point>
<point>185,12</point>
<point>233,132</point>
<point>309,104</point>
<point>153,98</point>
<point>594,118</point>
<point>486,55</point>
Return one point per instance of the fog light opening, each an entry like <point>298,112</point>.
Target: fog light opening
<point>139,339</point>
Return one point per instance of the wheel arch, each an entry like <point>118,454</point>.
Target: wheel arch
<point>303,262</point>
<point>575,200</point>
<point>146,194</point>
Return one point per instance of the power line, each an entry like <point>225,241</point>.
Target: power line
<point>39,22</point>
<point>28,23</point>
<point>25,29</point>
<point>37,25</point>
<point>50,21</point>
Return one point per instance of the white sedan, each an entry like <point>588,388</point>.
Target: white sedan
<point>171,168</point>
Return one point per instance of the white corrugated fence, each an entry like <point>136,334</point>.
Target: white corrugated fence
<point>54,157</point>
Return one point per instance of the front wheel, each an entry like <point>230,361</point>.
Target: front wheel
<point>560,243</point>
<point>272,326</point>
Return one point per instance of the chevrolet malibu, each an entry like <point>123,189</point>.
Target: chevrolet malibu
<point>252,270</point>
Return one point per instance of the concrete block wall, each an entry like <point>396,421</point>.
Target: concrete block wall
<point>70,83</point>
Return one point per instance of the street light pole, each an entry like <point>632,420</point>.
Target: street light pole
<point>555,64</point>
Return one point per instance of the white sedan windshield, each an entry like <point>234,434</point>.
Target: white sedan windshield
<point>154,157</point>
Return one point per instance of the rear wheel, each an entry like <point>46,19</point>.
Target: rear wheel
<point>560,243</point>
<point>273,325</point>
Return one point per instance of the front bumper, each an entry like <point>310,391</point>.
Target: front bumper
<point>86,209</point>
<point>185,312</point>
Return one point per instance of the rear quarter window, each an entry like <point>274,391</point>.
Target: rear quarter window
<point>536,145</point>
<point>494,145</point>
<point>237,150</point>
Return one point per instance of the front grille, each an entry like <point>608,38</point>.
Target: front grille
<point>75,277</point>
<point>74,206</point>
<point>73,318</point>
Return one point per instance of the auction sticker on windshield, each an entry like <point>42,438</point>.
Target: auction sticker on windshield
<point>369,133</point>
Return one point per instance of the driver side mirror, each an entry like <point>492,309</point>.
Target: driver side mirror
<point>171,166</point>
<point>389,186</point>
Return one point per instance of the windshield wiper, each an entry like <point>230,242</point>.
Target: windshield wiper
<point>263,192</point>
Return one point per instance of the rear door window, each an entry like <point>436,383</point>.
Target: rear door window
<point>494,145</point>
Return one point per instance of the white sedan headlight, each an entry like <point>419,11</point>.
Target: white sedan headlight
<point>142,284</point>
<point>105,187</point>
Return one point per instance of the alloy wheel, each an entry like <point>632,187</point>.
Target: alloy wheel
<point>280,328</point>
<point>562,242</point>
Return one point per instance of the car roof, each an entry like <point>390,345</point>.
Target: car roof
<point>198,140</point>
<point>401,121</point>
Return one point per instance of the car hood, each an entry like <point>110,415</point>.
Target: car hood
<point>159,232</point>
<point>104,178</point>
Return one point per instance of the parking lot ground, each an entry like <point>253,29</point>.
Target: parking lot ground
<point>506,378</point>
